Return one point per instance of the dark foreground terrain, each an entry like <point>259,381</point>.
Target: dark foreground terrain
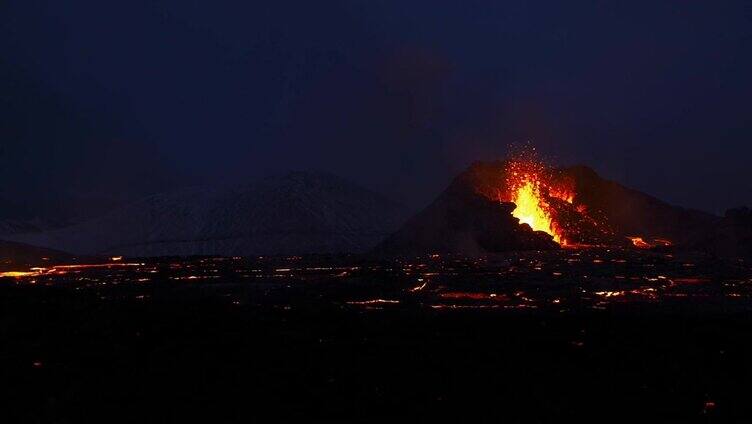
<point>540,337</point>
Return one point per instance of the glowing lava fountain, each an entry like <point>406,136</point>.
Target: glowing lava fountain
<point>530,211</point>
<point>532,189</point>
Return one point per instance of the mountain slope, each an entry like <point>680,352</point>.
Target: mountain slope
<point>630,212</point>
<point>293,214</point>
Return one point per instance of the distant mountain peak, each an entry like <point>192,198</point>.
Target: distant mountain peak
<point>293,213</point>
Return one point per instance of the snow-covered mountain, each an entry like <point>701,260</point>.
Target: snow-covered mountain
<point>296,213</point>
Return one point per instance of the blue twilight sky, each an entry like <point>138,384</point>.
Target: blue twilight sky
<point>105,101</point>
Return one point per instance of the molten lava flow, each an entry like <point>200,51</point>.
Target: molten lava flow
<point>639,242</point>
<point>531,187</point>
<point>530,210</point>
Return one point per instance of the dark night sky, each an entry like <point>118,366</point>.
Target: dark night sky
<point>103,101</point>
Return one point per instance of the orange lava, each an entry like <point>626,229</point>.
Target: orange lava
<point>531,188</point>
<point>640,242</point>
<point>63,269</point>
<point>18,274</point>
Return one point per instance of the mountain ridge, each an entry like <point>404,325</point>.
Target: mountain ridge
<point>294,213</point>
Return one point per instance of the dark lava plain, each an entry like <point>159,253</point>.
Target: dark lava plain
<point>597,334</point>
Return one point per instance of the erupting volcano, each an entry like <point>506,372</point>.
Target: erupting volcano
<point>523,204</point>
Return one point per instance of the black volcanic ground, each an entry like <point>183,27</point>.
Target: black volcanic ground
<point>605,334</point>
